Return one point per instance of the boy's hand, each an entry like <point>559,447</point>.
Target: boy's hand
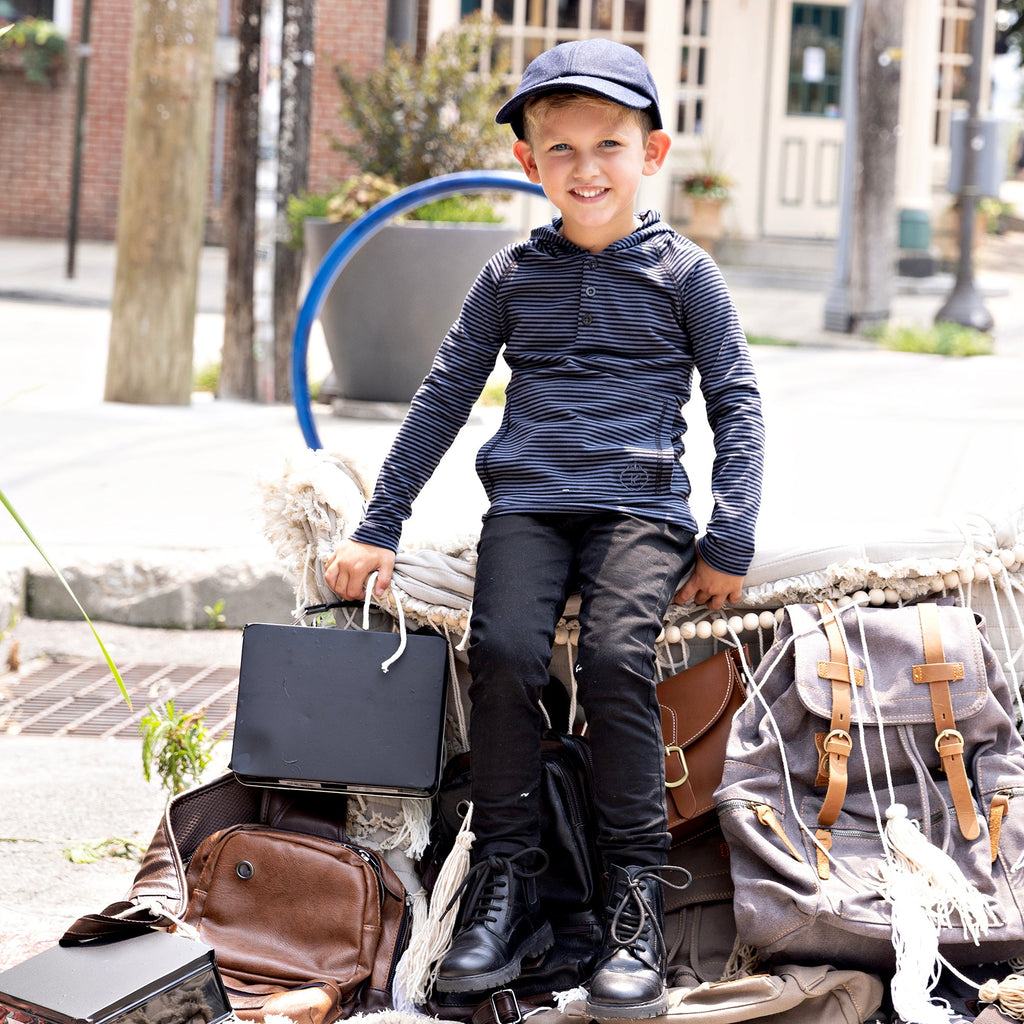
<point>352,564</point>
<point>709,586</point>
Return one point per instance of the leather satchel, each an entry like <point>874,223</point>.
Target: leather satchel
<point>697,707</point>
<point>283,908</point>
<point>305,924</point>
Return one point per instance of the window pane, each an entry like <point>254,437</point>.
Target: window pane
<point>470,7</point>
<point>532,48</point>
<point>568,14</point>
<point>504,10</point>
<point>601,14</point>
<point>815,60</point>
<point>634,15</point>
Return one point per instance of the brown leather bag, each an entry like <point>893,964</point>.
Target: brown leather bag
<point>304,923</point>
<point>697,706</point>
<point>284,908</point>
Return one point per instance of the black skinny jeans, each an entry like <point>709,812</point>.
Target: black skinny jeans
<point>627,570</point>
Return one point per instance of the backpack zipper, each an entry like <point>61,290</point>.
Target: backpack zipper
<point>766,816</point>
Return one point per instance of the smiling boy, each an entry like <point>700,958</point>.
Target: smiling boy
<point>603,317</point>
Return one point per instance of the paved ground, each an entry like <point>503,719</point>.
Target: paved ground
<point>127,488</point>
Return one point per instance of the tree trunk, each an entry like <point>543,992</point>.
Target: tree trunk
<point>292,177</point>
<point>874,228</point>
<point>238,363</point>
<point>163,196</point>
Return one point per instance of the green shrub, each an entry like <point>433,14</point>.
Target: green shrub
<point>413,119</point>
<point>42,44</point>
<point>944,338</point>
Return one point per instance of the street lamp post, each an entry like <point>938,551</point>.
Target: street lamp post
<point>964,305</point>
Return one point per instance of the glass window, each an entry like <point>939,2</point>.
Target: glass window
<point>16,10</point>
<point>568,13</point>
<point>816,60</point>
<point>954,67</point>
<point>601,14</point>
<point>692,66</point>
<point>528,27</point>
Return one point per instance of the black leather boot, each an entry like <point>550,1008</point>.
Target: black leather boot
<point>629,976</point>
<point>500,924</point>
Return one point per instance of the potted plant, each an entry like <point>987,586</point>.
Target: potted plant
<point>706,192</point>
<point>35,47</point>
<point>393,302</point>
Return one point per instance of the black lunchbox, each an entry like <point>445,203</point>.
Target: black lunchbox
<point>148,978</point>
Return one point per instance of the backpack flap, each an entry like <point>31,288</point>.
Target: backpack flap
<point>895,644</point>
<point>905,679</point>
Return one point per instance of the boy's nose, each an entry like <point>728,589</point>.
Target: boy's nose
<point>585,167</point>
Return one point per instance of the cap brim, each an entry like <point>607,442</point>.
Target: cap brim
<point>511,112</point>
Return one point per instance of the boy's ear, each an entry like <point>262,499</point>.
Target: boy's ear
<point>658,144</point>
<point>524,154</point>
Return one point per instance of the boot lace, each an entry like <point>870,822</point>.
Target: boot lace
<point>486,883</point>
<point>634,914</point>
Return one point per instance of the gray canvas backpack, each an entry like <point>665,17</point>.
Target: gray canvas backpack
<point>856,713</point>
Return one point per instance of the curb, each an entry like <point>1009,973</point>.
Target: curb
<point>183,590</point>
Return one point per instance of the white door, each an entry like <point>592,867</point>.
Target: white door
<point>803,173</point>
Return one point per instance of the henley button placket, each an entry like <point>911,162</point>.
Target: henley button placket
<point>589,290</point>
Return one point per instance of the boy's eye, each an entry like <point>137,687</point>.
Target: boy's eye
<point>559,147</point>
<point>609,142</point>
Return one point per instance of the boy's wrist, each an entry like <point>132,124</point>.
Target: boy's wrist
<point>720,560</point>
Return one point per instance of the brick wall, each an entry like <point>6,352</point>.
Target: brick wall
<point>37,123</point>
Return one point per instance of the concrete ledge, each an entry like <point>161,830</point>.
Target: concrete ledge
<point>169,594</point>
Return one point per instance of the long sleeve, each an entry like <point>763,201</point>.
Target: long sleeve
<point>733,405</point>
<point>438,411</point>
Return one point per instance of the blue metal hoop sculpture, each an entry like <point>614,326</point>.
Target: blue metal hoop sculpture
<point>344,248</point>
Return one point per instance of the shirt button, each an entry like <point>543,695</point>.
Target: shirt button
<point>586,319</point>
<point>590,262</point>
<point>590,290</point>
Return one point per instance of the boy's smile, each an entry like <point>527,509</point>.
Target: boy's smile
<point>589,157</point>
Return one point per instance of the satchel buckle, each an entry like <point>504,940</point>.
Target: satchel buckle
<point>678,751</point>
<point>509,1012</point>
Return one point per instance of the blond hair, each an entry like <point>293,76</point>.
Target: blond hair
<point>537,106</point>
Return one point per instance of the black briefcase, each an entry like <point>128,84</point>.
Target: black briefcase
<point>316,710</point>
<point>150,978</point>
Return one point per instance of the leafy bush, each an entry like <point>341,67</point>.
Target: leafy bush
<point>42,44</point>
<point>415,119</point>
<point>944,338</point>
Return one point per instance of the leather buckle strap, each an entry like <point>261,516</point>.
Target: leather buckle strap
<point>501,1008</point>
<point>838,745</point>
<point>937,673</point>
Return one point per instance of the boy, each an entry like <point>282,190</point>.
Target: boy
<point>603,314</point>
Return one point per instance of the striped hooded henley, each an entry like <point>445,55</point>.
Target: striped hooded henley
<point>602,348</point>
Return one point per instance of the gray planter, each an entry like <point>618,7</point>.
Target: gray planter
<point>391,305</point>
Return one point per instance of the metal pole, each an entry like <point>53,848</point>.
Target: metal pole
<point>964,305</point>
<point>838,316</point>
<point>84,50</point>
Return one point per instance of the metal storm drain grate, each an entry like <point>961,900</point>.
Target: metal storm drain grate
<point>81,698</point>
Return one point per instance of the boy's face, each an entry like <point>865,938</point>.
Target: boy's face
<point>589,157</point>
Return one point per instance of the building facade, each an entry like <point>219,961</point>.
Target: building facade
<point>751,88</point>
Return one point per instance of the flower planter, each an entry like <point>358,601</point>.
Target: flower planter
<point>393,302</point>
<point>705,222</point>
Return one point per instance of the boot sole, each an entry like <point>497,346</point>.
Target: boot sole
<point>627,1011</point>
<point>540,942</point>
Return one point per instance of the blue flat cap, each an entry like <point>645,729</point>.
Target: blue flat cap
<point>597,66</point>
